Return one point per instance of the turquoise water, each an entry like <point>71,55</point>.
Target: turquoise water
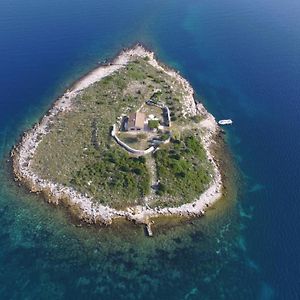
<point>242,57</point>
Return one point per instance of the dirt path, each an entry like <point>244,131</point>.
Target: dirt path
<point>151,165</point>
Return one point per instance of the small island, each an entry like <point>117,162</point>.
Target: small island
<point>128,140</point>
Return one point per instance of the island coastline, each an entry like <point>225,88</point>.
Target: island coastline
<point>96,213</point>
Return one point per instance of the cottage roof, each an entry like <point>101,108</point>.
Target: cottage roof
<point>136,120</point>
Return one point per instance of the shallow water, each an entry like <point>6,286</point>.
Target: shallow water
<point>242,57</point>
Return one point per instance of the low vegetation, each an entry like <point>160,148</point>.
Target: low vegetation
<point>118,173</point>
<point>79,152</point>
<point>183,169</point>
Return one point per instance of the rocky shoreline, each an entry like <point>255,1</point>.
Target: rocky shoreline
<point>86,209</point>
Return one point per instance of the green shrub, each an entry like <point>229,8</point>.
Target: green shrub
<point>153,124</point>
<point>164,136</point>
<point>183,174</point>
<point>126,176</point>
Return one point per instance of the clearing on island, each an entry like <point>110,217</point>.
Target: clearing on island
<point>128,140</point>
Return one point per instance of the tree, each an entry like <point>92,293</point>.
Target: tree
<point>153,124</point>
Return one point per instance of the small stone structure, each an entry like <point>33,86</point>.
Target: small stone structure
<point>136,121</point>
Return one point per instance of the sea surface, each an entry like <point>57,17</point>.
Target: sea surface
<point>243,59</point>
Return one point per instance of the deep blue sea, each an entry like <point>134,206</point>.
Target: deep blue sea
<point>243,59</point>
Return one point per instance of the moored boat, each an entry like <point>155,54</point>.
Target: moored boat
<point>225,122</point>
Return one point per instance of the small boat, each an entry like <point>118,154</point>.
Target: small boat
<point>225,122</point>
